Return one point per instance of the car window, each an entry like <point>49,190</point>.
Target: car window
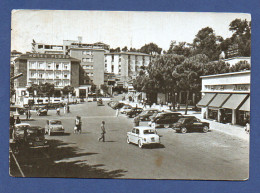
<point>133,131</point>
<point>149,131</point>
<point>137,131</point>
<point>55,122</point>
<point>23,127</point>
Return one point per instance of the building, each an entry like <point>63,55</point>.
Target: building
<point>60,70</point>
<point>91,64</point>
<point>126,64</point>
<point>226,97</point>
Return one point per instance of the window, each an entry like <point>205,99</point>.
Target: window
<point>112,58</point>
<point>65,76</point>
<point>137,131</point>
<point>119,60</point>
<point>66,66</point>
<point>49,66</point>
<point>112,68</point>
<point>40,75</point>
<point>84,59</point>
<point>57,66</point>
<point>133,131</point>
<point>40,46</point>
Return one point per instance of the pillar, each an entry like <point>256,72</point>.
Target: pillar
<point>207,112</point>
<point>234,118</point>
<point>219,114</point>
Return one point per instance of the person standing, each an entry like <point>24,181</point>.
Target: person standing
<point>117,112</point>
<point>58,111</point>
<point>27,115</point>
<point>18,120</point>
<point>78,124</point>
<point>136,121</point>
<point>68,109</point>
<point>103,131</point>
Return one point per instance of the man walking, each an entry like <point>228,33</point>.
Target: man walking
<point>103,131</point>
<point>136,121</point>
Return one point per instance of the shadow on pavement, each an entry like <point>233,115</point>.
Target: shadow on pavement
<point>155,146</point>
<point>61,160</point>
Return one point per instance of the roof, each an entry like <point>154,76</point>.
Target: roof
<point>144,127</point>
<point>46,56</point>
<point>82,48</point>
<point>226,74</point>
<point>127,53</point>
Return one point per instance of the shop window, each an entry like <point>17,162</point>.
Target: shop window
<point>40,46</point>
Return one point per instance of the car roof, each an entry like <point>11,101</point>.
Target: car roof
<point>22,124</point>
<point>35,127</point>
<point>143,128</point>
<point>54,120</point>
<point>151,110</point>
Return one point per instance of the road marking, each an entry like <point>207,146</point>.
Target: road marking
<point>17,164</point>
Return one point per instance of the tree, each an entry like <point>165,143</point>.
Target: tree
<point>125,49</point>
<point>104,88</point>
<point>67,90</point>
<point>34,88</point>
<point>93,88</point>
<point>240,66</point>
<point>206,42</point>
<point>151,49</point>
<point>115,50</point>
<point>47,89</point>
<point>181,49</point>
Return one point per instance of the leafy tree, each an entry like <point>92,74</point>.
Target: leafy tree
<point>133,50</point>
<point>206,42</point>
<point>125,49</point>
<point>115,50</point>
<point>240,66</point>
<point>34,88</point>
<point>181,49</point>
<point>151,49</point>
<point>66,90</point>
<point>47,89</point>
<point>104,88</point>
<point>93,88</point>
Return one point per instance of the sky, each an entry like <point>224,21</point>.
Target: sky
<point>116,28</point>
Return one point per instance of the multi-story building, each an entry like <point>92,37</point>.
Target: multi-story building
<point>91,65</point>
<point>60,70</point>
<point>126,64</point>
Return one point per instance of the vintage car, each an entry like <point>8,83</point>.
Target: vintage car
<point>54,126</point>
<point>134,112</point>
<point>190,123</point>
<point>29,137</point>
<point>125,109</point>
<point>42,111</point>
<point>146,114</point>
<point>142,135</point>
<point>118,105</point>
<point>165,120</point>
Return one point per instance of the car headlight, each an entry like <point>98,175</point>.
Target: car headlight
<point>30,143</point>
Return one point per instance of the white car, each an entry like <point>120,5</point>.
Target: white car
<point>143,135</point>
<point>125,109</point>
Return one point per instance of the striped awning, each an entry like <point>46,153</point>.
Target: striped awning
<point>246,105</point>
<point>207,98</point>
<point>234,101</point>
<point>219,100</point>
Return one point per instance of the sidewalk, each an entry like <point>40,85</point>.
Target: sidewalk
<point>233,130</point>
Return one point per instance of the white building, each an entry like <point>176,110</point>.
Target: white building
<point>226,97</point>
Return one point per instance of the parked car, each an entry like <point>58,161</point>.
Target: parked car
<point>165,120</point>
<point>125,109</point>
<point>42,111</point>
<point>143,136</point>
<point>17,109</point>
<point>191,123</point>
<point>34,138</point>
<point>90,99</point>
<point>146,114</point>
<point>54,126</point>
<point>118,105</point>
<point>134,112</point>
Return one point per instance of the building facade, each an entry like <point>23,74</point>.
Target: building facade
<point>226,97</point>
<point>60,70</point>
<point>126,65</point>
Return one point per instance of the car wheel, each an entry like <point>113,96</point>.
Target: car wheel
<point>205,129</point>
<point>183,130</point>
<point>140,144</point>
<point>127,140</point>
<point>49,132</point>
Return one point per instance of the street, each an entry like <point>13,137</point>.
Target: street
<point>213,155</point>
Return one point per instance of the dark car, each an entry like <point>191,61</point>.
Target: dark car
<point>165,120</point>
<point>146,114</point>
<point>42,111</point>
<point>26,136</point>
<point>134,112</point>
<point>191,123</point>
<point>118,105</point>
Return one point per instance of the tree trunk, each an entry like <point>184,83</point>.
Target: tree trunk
<point>173,100</point>
<point>187,102</point>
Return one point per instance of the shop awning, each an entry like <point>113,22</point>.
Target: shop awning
<point>219,100</point>
<point>246,105</point>
<point>207,98</point>
<point>234,101</point>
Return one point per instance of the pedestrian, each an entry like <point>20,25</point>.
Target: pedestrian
<point>29,114</point>
<point>117,112</point>
<point>68,109</point>
<point>58,111</point>
<point>18,120</point>
<point>78,124</point>
<point>65,109</point>
<point>103,131</point>
<point>136,121</point>
<point>12,122</point>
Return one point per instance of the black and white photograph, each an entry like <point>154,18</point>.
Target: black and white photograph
<point>130,95</point>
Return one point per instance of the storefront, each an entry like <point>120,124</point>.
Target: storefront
<point>226,97</point>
